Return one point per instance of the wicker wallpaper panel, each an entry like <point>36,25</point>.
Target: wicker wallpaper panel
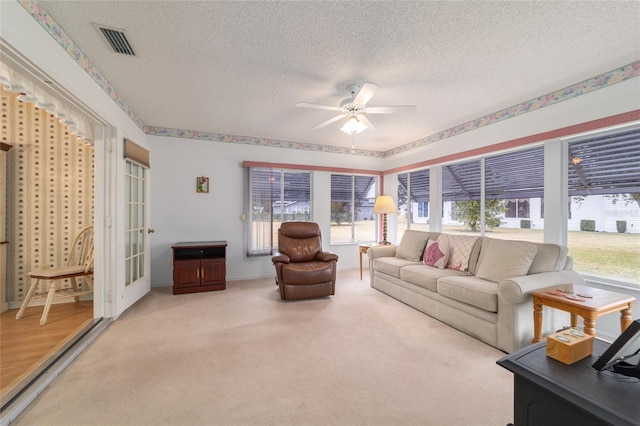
<point>49,191</point>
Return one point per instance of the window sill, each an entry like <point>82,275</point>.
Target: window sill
<point>611,283</point>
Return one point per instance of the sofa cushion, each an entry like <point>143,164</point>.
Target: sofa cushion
<point>471,290</point>
<point>391,265</point>
<point>426,276</point>
<point>436,254</point>
<point>461,247</point>
<point>412,245</point>
<point>474,256</point>
<point>502,259</point>
<point>549,258</point>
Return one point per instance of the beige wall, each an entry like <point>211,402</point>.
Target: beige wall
<point>49,190</point>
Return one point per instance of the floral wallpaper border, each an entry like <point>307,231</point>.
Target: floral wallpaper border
<point>52,27</point>
<point>248,140</point>
<point>604,80</point>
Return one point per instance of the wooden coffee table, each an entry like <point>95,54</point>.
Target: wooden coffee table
<point>600,303</point>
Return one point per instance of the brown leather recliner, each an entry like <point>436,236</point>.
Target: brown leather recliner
<point>303,270</point>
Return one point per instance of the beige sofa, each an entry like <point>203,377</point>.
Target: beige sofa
<point>487,295</point>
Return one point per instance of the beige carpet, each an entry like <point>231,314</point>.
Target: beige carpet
<point>243,357</point>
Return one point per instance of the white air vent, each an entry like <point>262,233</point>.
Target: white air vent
<point>115,39</point>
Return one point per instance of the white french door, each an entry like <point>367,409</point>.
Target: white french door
<point>135,280</point>
<point>135,228</point>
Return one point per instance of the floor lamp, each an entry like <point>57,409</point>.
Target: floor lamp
<point>384,204</point>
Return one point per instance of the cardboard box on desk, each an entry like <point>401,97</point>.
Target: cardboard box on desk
<point>569,346</point>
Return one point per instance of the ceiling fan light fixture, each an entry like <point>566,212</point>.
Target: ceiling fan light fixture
<point>353,125</point>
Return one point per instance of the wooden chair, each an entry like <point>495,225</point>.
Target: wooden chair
<point>79,264</point>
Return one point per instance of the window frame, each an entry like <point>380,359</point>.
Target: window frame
<point>353,214</point>
<point>253,248</point>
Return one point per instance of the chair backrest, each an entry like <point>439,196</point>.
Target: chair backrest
<point>82,250</point>
<point>301,241</point>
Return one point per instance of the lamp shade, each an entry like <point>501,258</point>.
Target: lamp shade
<point>384,204</point>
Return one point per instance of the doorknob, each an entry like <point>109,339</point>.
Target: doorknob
<point>150,231</point>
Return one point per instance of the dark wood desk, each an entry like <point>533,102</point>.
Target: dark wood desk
<point>550,393</point>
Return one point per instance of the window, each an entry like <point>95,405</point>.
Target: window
<point>513,187</point>
<point>517,208</point>
<point>413,201</point>
<point>461,184</point>
<point>275,196</point>
<point>604,192</point>
<point>352,200</point>
<point>423,209</point>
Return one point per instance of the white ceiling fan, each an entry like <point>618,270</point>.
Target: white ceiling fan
<point>355,107</point>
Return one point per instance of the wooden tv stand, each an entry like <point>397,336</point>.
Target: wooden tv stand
<point>550,393</point>
<point>199,266</point>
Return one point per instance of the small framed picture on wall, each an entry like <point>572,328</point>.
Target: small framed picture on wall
<point>202,184</point>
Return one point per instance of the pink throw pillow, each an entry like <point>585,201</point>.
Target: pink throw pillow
<point>436,254</point>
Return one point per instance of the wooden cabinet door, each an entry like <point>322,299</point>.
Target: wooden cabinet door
<point>186,273</point>
<point>213,271</point>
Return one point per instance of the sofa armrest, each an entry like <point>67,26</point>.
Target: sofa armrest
<point>513,290</point>
<point>376,253</point>
<point>326,256</point>
<point>381,251</point>
<point>280,258</point>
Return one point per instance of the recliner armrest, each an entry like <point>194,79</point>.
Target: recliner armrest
<point>280,258</point>
<point>326,256</point>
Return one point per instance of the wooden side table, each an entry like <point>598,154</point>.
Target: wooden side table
<point>600,303</point>
<point>364,248</point>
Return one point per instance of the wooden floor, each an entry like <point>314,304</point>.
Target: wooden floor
<point>25,346</point>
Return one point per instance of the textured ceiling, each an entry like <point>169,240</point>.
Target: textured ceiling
<point>239,68</point>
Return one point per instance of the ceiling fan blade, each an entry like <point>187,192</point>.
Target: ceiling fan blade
<point>366,121</point>
<point>390,109</point>
<point>317,106</point>
<point>365,93</point>
<point>331,120</point>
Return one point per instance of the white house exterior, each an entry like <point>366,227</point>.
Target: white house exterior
<point>605,210</point>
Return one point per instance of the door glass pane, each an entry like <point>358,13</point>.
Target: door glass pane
<point>127,244</point>
<point>140,243</point>
<point>134,269</point>
<point>141,265</point>
<point>127,271</point>
<point>134,189</point>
